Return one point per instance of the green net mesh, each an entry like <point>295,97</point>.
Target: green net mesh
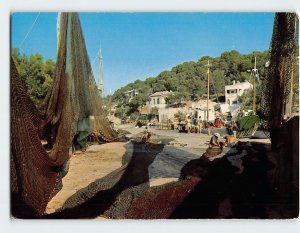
<point>73,105</point>
<point>276,87</point>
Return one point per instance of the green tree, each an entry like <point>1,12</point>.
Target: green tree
<point>37,74</point>
<point>176,98</point>
<point>189,79</point>
<point>136,102</point>
<point>247,99</point>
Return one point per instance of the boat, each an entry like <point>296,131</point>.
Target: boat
<point>247,124</point>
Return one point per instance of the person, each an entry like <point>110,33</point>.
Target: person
<point>200,124</point>
<point>146,139</point>
<point>214,141</point>
<point>229,129</point>
<point>215,146</point>
<point>188,122</point>
<point>217,123</point>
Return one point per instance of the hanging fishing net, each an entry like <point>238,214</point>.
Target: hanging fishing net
<point>72,110</point>
<point>276,87</point>
<point>34,176</point>
<point>73,106</point>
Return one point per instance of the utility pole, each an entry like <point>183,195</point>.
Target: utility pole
<point>207,113</point>
<point>254,75</point>
<point>207,106</point>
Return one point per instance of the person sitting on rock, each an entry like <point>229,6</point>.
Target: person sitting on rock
<point>146,139</point>
<point>214,141</point>
<point>215,146</point>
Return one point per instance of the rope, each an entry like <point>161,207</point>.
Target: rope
<point>95,58</point>
<point>28,32</point>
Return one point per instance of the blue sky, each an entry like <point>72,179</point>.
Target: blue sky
<point>141,45</point>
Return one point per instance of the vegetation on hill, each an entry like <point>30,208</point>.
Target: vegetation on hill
<point>188,81</point>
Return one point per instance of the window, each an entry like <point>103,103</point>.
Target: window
<point>153,100</point>
<point>232,91</point>
<point>157,100</point>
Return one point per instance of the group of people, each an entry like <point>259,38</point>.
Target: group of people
<point>215,140</point>
<point>188,122</point>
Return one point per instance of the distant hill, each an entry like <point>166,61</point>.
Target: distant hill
<point>189,79</point>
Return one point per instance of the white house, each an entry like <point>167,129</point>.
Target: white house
<point>158,100</point>
<point>232,92</point>
<point>201,107</point>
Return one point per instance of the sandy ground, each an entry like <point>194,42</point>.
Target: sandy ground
<point>96,162</point>
<point>100,160</point>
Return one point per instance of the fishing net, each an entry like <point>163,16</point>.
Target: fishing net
<point>73,105</point>
<point>72,109</point>
<point>276,87</point>
<point>34,178</point>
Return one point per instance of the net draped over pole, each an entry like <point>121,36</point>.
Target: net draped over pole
<point>72,107</point>
<point>73,104</point>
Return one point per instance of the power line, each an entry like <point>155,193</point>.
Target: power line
<point>28,32</point>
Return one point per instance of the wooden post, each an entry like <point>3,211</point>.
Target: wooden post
<point>254,86</point>
<point>207,114</point>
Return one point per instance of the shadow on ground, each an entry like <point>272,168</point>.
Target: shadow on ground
<point>101,196</point>
<point>234,186</point>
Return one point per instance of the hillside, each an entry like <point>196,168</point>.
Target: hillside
<point>188,80</point>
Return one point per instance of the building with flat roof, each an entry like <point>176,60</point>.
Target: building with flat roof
<point>158,100</point>
<point>232,92</point>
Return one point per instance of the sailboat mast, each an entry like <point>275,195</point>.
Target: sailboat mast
<point>100,74</point>
<point>58,31</point>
